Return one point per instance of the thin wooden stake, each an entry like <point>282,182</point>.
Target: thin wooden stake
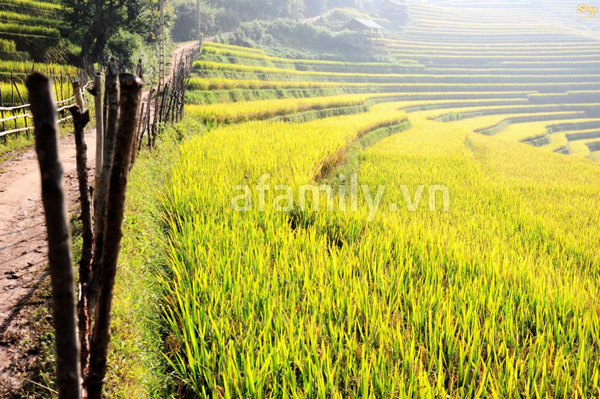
<point>85,270</point>
<point>96,91</point>
<point>78,95</point>
<point>148,116</point>
<point>131,90</point>
<point>101,206</point>
<point>140,69</point>
<point>22,103</point>
<point>43,108</point>
<point>137,135</point>
<point>12,94</point>
<point>2,112</point>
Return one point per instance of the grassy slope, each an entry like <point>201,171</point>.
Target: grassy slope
<point>137,365</point>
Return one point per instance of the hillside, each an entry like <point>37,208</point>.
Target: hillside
<point>28,28</point>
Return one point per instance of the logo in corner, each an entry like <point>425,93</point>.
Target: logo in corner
<point>588,9</point>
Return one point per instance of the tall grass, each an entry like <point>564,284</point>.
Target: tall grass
<point>497,298</point>
<point>225,84</point>
<point>216,66</point>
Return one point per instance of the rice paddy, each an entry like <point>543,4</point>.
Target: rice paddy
<point>475,276</point>
<point>25,25</point>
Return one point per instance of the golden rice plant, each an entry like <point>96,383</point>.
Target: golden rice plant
<point>496,297</point>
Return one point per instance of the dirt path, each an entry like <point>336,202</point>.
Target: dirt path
<point>23,248</point>
<point>318,17</point>
<point>182,49</point>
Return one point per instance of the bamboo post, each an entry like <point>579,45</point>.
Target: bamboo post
<point>54,78</point>
<point>12,90</point>
<point>69,87</point>
<point>143,124</point>
<point>43,108</point>
<point>131,90</point>
<point>168,104</point>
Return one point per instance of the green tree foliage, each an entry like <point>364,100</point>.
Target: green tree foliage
<point>299,39</point>
<point>228,15</point>
<point>316,7</point>
<point>186,21</point>
<point>95,22</point>
<point>260,9</point>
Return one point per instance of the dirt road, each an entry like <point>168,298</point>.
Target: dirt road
<point>23,249</point>
<point>182,49</point>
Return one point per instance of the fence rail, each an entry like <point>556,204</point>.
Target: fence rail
<point>17,119</point>
<point>163,105</point>
<point>27,116</point>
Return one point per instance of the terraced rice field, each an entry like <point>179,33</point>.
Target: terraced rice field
<point>28,19</point>
<point>495,296</point>
<point>27,27</point>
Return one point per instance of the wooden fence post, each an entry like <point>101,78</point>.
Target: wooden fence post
<point>80,120</point>
<point>2,112</point>
<point>131,90</point>
<point>111,105</point>
<point>12,95</point>
<point>96,91</point>
<point>78,93</point>
<point>137,135</point>
<point>152,138</point>
<point>140,69</point>
<point>43,108</point>
<point>23,104</point>
<point>148,116</point>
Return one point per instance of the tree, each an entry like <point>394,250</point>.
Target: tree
<point>99,20</point>
<point>185,26</point>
